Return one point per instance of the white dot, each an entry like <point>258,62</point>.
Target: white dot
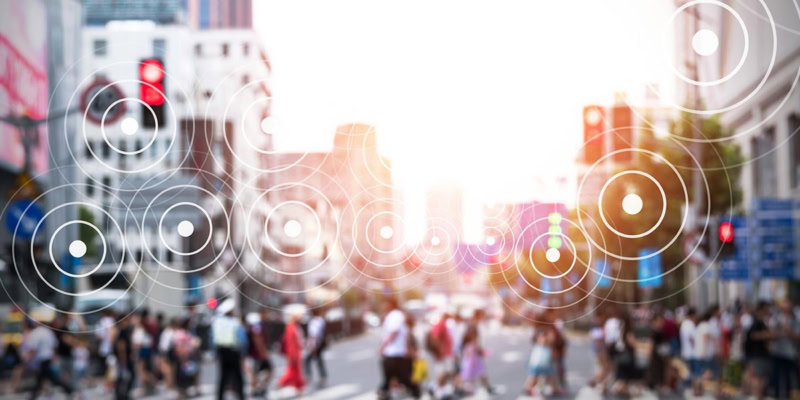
<point>632,203</point>
<point>292,228</point>
<point>387,232</point>
<point>705,42</point>
<point>435,241</point>
<point>77,248</point>
<point>490,241</point>
<point>185,228</point>
<point>552,255</point>
<point>129,126</point>
<point>269,125</point>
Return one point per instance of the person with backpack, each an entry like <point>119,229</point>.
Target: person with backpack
<point>316,344</point>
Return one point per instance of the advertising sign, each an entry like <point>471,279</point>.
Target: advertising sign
<point>23,80</point>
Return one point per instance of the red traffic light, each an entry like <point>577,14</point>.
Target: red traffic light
<point>726,232</point>
<point>151,71</point>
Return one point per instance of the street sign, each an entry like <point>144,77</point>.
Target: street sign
<point>773,237</point>
<point>22,217</point>
<point>733,270</point>
<point>97,100</point>
<point>649,268</point>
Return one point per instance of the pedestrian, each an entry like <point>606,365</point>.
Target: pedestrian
<point>142,340</point>
<point>756,351</point>
<point>658,369</point>
<point>784,352</point>
<point>227,333</point>
<point>165,358</point>
<point>540,362</point>
<point>687,337</point>
<point>439,344</point>
<point>706,343</point>
<point>40,350</point>
<point>105,331</point>
<point>259,341</point>
<point>600,352</point>
<point>395,361</point>
<point>64,349</point>
<point>316,345</point>
<point>80,364</point>
<point>185,358</point>
<point>293,350</point>
<point>125,356</point>
<point>627,372</point>
<point>559,350</point>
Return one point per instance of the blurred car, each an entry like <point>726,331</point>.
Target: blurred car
<point>12,328</point>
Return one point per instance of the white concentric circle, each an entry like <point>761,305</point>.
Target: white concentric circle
<point>705,38</point>
<point>77,247</point>
<point>129,126</point>
<point>685,193</point>
<point>153,201</point>
<point>301,204</point>
<point>186,226</point>
<point>663,202</point>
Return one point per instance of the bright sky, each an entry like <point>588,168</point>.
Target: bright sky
<point>487,95</point>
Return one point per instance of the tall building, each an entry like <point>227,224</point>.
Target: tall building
<point>749,58</point>
<point>197,14</point>
<point>38,47</point>
<point>206,138</point>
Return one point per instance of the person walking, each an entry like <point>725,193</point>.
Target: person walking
<point>40,346</point>
<point>184,357</point>
<point>756,351</point>
<point>439,343</point>
<point>395,361</point>
<point>227,334</point>
<point>293,349</point>
<point>540,362</point>
<point>784,351</point>
<point>259,340</point>
<point>316,344</point>
<point>125,369</point>
<point>687,337</point>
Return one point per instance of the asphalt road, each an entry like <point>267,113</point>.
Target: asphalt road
<point>354,371</point>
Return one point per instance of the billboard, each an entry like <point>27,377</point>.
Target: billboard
<point>23,80</point>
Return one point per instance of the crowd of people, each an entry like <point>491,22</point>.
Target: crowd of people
<point>139,354</point>
<point>723,352</point>
<point>452,364</point>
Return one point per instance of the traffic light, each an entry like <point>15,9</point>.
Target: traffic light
<point>151,92</point>
<point>593,128</point>
<point>622,137</point>
<point>728,248</point>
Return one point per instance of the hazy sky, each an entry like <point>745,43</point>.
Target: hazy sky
<point>484,94</point>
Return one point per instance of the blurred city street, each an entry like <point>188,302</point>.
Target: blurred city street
<point>351,199</point>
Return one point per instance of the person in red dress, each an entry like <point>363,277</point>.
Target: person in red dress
<point>293,350</point>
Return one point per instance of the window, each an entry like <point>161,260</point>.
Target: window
<point>245,79</point>
<point>138,148</point>
<point>246,49</point>
<point>100,47</point>
<point>198,49</point>
<point>106,150</point>
<point>159,48</point>
<point>89,149</point>
<point>794,149</point>
<point>225,49</point>
<point>123,147</point>
<point>106,185</point>
<point>89,187</point>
